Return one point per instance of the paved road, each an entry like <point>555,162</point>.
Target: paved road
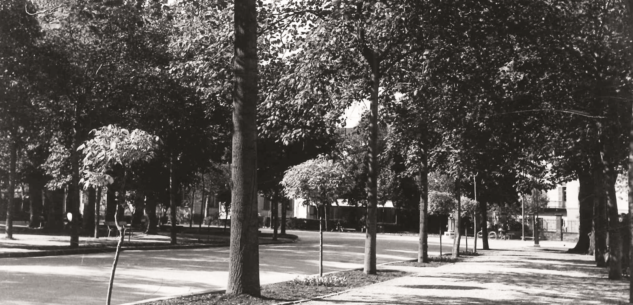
<point>83,279</point>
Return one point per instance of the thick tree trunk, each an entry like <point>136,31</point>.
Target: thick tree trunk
<point>283,217</point>
<point>483,212</point>
<point>274,206</point>
<point>600,217</point>
<point>244,249</point>
<point>615,242</point>
<point>192,198</point>
<point>458,217</point>
<point>35,203</point>
<point>203,204</point>
<point>89,212</point>
<point>629,4</point>
<point>370,235</point>
<point>139,207</point>
<point>97,209</point>
<point>423,246</point>
<point>74,187</point>
<point>54,210</point>
<point>110,204</point>
<point>11,194</point>
<point>585,202</point>
<point>320,246</point>
<point>152,220</point>
<point>172,199</point>
<point>537,232</point>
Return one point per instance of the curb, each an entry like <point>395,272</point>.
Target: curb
<point>175,296</point>
<point>60,252</point>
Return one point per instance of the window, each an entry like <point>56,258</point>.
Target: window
<point>564,194</point>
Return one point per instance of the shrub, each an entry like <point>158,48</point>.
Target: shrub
<point>326,281</point>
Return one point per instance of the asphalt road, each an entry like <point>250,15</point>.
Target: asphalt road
<point>140,275</point>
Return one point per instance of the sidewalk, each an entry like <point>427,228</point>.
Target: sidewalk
<point>514,273</point>
<point>29,242</point>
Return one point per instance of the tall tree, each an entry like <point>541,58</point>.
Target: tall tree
<point>244,250</point>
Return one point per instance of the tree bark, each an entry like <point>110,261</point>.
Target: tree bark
<point>615,242</point>
<point>283,216</point>
<point>423,246</point>
<point>192,196</point>
<point>74,187</point>
<point>483,212</point>
<point>139,207</point>
<point>600,217</point>
<point>370,235</point>
<point>458,217</point>
<point>110,204</point>
<point>320,246</point>
<point>325,215</point>
<point>8,229</point>
<point>172,199</point>
<point>203,204</point>
<point>152,220</point>
<point>35,203</point>
<point>97,212</point>
<point>89,212</point>
<point>118,214</point>
<point>274,206</point>
<point>629,5</point>
<point>585,202</point>
<point>244,249</point>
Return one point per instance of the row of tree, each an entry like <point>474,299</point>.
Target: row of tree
<point>490,92</point>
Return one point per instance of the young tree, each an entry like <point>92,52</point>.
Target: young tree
<point>108,159</point>
<point>318,181</point>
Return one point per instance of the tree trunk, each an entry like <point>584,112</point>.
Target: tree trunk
<point>536,230</point>
<point>74,187</point>
<point>599,224</point>
<point>192,198</point>
<point>244,249</point>
<point>35,203</point>
<point>423,246</point>
<point>320,246</point>
<point>483,212</point>
<point>475,232</point>
<point>615,242</point>
<point>152,220</point>
<point>458,217</point>
<point>629,4</point>
<point>203,204</point>
<point>283,216</point>
<point>585,202</point>
<point>370,235</point>
<point>274,206</point>
<point>325,216</point>
<point>118,214</point>
<point>8,229</point>
<point>172,199</point>
<point>97,212</point>
<point>110,204</point>
<point>89,212</point>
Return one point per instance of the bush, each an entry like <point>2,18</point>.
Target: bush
<point>326,281</point>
